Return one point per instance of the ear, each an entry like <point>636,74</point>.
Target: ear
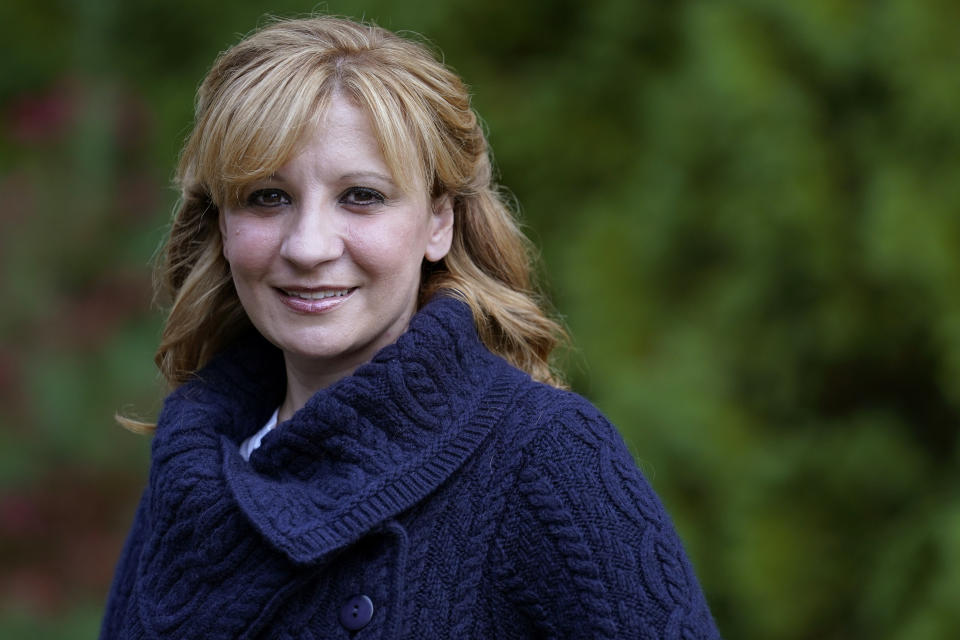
<point>441,229</point>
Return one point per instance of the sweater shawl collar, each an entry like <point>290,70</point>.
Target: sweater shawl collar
<point>360,452</point>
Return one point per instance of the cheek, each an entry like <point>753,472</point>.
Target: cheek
<point>392,252</point>
<point>248,247</point>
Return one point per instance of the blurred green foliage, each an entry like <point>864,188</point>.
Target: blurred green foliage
<point>748,212</point>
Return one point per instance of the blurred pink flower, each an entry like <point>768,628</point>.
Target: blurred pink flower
<point>37,118</point>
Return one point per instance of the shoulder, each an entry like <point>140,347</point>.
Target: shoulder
<point>572,448</point>
<point>566,452</point>
<point>560,422</point>
<point>584,536</point>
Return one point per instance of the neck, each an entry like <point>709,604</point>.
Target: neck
<point>304,381</point>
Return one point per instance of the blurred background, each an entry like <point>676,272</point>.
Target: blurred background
<point>749,215</point>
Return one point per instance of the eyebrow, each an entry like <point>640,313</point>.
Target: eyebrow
<point>353,175</point>
<point>367,174</point>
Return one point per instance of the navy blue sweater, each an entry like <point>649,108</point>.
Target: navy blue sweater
<point>437,492</point>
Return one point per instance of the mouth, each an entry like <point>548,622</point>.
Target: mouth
<point>318,294</point>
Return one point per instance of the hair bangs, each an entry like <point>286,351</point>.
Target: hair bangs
<point>261,125</point>
<point>395,118</point>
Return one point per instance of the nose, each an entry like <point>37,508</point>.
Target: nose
<point>313,236</point>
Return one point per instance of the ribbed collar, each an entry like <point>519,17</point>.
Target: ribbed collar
<point>359,452</point>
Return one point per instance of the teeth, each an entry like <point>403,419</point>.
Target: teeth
<point>317,295</point>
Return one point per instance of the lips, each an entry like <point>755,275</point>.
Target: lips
<point>318,294</point>
<point>318,300</point>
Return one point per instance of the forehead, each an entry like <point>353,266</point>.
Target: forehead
<point>347,124</point>
<point>347,128</point>
<point>342,142</point>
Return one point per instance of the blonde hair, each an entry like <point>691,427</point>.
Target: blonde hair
<point>252,112</point>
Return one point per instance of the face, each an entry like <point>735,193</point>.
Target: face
<point>326,253</point>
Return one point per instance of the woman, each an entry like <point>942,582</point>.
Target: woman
<point>365,437</point>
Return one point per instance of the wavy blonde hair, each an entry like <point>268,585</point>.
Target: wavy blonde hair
<point>253,111</point>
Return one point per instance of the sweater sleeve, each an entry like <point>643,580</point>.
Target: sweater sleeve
<point>586,549</point>
<point>119,602</point>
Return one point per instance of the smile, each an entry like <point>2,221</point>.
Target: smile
<point>317,295</point>
<point>315,301</point>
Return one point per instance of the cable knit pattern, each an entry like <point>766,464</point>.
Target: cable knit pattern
<point>465,500</point>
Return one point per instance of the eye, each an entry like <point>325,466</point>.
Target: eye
<point>268,198</point>
<point>362,197</point>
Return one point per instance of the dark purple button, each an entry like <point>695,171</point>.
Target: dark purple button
<point>356,613</point>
